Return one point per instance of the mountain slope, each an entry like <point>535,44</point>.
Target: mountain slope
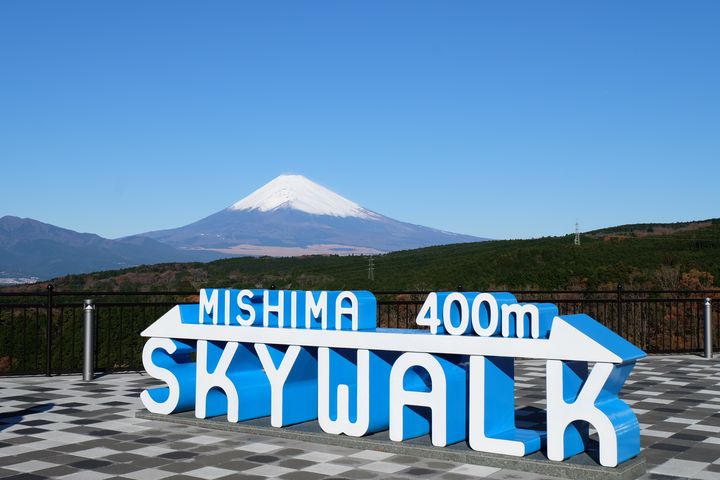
<point>289,216</point>
<point>32,248</point>
<point>686,256</point>
<point>292,212</point>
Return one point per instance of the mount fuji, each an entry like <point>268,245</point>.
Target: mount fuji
<point>292,215</point>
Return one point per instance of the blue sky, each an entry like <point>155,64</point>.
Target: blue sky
<point>498,119</point>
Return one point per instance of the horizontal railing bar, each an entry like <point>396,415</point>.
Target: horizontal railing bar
<point>380,292</point>
<point>611,300</point>
<point>129,294</point>
<point>379,302</point>
<point>566,300</point>
<point>56,293</point>
<point>68,371</point>
<point>130,304</point>
<point>79,304</point>
<point>558,292</point>
<point>22,305</point>
<point>22,294</point>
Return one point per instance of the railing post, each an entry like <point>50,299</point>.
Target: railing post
<point>708,329</point>
<point>619,307</point>
<point>48,331</point>
<point>89,344</point>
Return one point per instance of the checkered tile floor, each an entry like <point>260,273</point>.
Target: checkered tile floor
<point>60,427</point>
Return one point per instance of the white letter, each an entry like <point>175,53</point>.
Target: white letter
<point>277,377</point>
<point>460,299</point>
<point>427,316</point>
<point>316,309</point>
<point>342,423</point>
<point>293,309</point>
<point>227,307</point>
<point>278,309</point>
<point>434,399</point>
<point>209,306</point>
<point>490,301</point>
<point>218,379</point>
<point>491,423</point>
<point>519,311</point>
<point>341,310</point>
<point>169,405</point>
<point>597,404</point>
<point>245,308</point>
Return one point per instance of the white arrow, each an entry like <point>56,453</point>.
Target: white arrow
<point>566,341</point>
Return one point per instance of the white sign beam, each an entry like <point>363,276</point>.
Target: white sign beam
<point>565,342</point>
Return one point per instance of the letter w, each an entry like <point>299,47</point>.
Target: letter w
<point>342,423</point>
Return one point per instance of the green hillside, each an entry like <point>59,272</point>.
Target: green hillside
<point>667,256</point>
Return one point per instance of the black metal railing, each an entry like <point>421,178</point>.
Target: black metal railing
<point>42,333</point>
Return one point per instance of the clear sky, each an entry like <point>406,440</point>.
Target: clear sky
<point>499,119</point>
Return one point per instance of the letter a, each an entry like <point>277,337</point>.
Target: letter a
<point>441,383</point>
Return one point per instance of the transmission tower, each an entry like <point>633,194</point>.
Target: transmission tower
<point>577,233</point>
<point>371,268</point>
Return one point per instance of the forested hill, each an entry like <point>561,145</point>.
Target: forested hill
<point>666,256</point>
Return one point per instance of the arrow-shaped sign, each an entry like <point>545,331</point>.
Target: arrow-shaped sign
<point>572,337</point>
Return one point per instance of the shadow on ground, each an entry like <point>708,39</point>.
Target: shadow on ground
<point>9,419</point>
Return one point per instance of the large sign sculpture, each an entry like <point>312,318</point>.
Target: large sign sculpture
<point>297,356</point>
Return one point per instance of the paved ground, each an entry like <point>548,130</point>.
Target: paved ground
<point>61,427</point>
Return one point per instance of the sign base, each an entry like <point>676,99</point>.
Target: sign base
<point>581,467</point>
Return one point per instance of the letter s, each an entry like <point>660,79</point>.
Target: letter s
<point>168,360</point>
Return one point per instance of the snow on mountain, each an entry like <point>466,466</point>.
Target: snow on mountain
<point>298,193</point>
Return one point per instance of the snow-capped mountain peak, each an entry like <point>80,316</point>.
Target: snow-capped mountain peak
<point>292,215</point>
<point>298,193</point>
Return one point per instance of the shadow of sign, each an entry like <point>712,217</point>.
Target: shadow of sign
<point>8,419</point>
